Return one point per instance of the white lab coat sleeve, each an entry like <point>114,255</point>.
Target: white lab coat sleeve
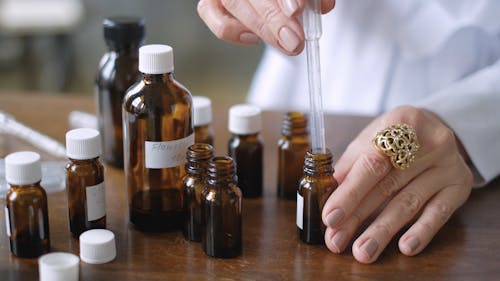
<point>471,108</point>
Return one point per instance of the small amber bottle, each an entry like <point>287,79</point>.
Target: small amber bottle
<point>157,126</point>
<point>26,211</point>
<point>221,210</point>
<point>292,149</point>
<point>198,157</point>
<point>246,148</point>
<point>85,181</point>
<point>315,187</point>
<point>202,119</point>
<point>118,70</point>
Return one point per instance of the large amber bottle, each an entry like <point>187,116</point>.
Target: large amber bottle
<point>315,187</point>
<point>221,210</point>
<point>118,71</point>
<point>198,157</point>
<point>292,148</point>
<point>157,126</point>
<point>26,211</point>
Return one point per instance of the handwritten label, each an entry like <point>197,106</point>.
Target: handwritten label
<point>300,211</point>
<point>96,202</point>
<point>167,154</point>
<point>7,222</point>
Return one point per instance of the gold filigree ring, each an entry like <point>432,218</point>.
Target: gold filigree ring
<point>399,142</point>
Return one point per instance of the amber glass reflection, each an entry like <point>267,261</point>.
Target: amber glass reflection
<point>221,210</point>
<point>315,187</point>
<point>29,222</point>
<point>292,149</point>
<point>157,108</point>
<point>198,156</point>
<point>247,150</point>
<point>81,174</point>
<point>204,134</point>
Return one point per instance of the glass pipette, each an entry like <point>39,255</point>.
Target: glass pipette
<point>312,28</point>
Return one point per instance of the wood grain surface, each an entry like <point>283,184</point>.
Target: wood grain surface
<point>467,248</point>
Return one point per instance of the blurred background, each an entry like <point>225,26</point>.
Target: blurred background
<point>55,46</point>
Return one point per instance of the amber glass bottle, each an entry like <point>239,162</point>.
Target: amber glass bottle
<point>315,187</point>
<point>118,71</point>
<point>246,148</point>
<point>157,125</point>
<point>85,181</point>
<point>198,157</point>
<point>292,149</point>
<point>26,211</point>
<point>221,210</point>
<point>202,119</point>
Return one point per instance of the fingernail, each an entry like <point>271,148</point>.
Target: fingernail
<point>369,247</point>
<point>289,7</point>
<point>410,245</point>
<point>288,39</point>
<point>335,217</point>
<point>249,38</point>
<point>339,240</point>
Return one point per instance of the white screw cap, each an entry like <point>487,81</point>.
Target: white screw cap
<point>244,119</point>
<point>97,246</point>
<point>23,168</point>
<point>58,266</point>
<point>156,59</point>
<point>202,111</point>
<point>83,143</point>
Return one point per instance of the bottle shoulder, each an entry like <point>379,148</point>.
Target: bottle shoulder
<point>26,194</point>
<point>85,168</point>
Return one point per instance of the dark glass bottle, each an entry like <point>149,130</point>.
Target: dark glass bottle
<point>198,157</point>
<point>315,187</point>
<point>85,181</point>
<point>221,210</point>
<point>158,129</point>
<point>26,211</point>
<point>118,71</point>
<point>246,148</point>
<point>292,149</point>
<point>202,119</point>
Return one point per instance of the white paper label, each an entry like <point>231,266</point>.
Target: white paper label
<point>167,154</point>
<point>300,211</point>
<point>96,202</point>
<point>7,222</point>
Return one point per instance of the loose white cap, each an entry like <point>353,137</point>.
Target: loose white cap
<point>156,59</point>
<point>83,143</point>
<point>244,119</point>
<point>58,266</point>
<point>97,246</point>
<point>202,113</point>
<point>23,168</point>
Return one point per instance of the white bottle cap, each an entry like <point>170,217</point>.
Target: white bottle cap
<point>83,143</point>
<point>97,246</point>
<point>23,168</point>
<point>202,111</point>
<point>156,59</point>
<point>244,119</point>
<point>58,266</point>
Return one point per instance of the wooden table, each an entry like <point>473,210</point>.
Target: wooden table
<point>467,248</point>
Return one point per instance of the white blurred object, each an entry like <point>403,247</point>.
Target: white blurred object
<point>40,16</point>
<point>79,119</point>
<point>9,125</point>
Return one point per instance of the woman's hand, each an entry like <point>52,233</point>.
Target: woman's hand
<point>245,21</point>
<point>424,195</point>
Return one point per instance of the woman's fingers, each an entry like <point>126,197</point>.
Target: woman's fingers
<point>224,25</point>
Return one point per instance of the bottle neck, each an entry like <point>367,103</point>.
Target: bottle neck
<point>16,186</point>
<point>132,48</point>
<point>198,156</point>
<point>221,170</point>
<point>157,78</point>
<point>246,136</point>
<point>317,163</point>
<point>84,161</point>
<point>294,124</point>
